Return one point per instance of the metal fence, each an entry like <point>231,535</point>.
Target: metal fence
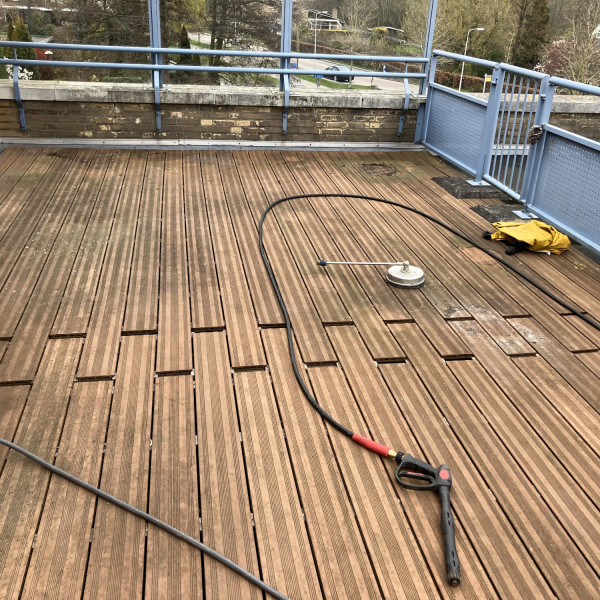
<point>506,140</point>
<point>157,68</point>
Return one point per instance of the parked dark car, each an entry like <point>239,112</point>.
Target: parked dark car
<point>341,78</point>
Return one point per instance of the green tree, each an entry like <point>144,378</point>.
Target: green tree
<point>531,32</point>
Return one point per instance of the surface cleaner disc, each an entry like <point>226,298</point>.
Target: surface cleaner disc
<point>405,276</point>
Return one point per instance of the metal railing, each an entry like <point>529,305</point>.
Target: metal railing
<point>155,67</point>
<point>506,140</point>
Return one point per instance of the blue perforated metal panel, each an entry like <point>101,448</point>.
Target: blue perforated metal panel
<point>455,128</point>
<point>568,188</point>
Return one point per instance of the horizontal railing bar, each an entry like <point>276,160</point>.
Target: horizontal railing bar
<point>586,88</point>
<point>205,52</point>
<point>223,69</point>
<point>467,59</point>
<point>521,71</point>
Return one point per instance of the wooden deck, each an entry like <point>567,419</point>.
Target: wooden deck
<point>142,349</point>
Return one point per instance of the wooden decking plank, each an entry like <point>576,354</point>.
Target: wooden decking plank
<point>578,414</point>
<point>544,418</point>
<point>574,510</point>
<point>415,301</point>
<point>339,551</point>
<point>31,194</point>
<point>17,181</point>
<point>325,297</point>
<point>99,358</point>
<point>31,333</point>
<point>592,361</point>
<point>455,213</point>
<point>265,302</point>
<point>116,559</point>
<point>8,158</point>
<point>591,333</point>
<point>224,501</point>
<point>141,313</point>
<point>205,296</point>
<point>383,515</point>
<point>78,297</point>
<point>173,567</point>
<point>284,548</point>
<point>350,243</point>
<point>437,250</point>
<point>348,180</point>
<point>12,402</point>
<point>505,560</point>
<point>58,560</point>
<point>358,304</point>
<point>386,424</point>
<point>46,205</point>
<point>528,513</point>
<point>22,484</point>
<point>174,353</point>
<point>3,346</point>
<point>582,379</point>
<point>28,254</point>
<point>244,339</point>
<point>304,316</point>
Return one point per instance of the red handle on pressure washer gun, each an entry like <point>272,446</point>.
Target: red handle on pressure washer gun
<point>414,474</point>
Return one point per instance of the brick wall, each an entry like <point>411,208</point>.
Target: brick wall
<point>216,115</point>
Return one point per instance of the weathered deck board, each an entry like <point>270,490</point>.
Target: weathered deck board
<point>59,558</point>
<point>116,556</point>
<point>18,195</point>
<point>174,354</point>
<point>283,542</point>
<point>277,185</point>
<point>240,318</point>
<point>23,486</point>
<point>303,312</point>
<point>246,232</point>
<point>99,358</point>
<point>67,209</point>
<point>225,505</point>
<point>150,279</point>
<point>12,402</point>
<point>382,421</point>
<point>31,243</point>
<point>141,315</point>
<point>173,568</point>
<point>339,551</point>
<point>78,297</point>
<point>525,509</point>
<point>205,297</point>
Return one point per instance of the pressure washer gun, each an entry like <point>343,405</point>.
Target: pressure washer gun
<point>414,474</point>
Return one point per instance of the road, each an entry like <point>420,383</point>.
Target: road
<point>387,85</point>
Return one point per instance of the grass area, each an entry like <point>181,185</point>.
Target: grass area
<point>332,84</point>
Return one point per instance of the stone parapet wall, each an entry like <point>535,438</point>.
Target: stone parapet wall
<point>104,111</point>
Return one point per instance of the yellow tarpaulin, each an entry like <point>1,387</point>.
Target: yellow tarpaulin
<point>536,234</point>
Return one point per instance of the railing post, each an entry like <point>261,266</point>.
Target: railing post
<point>542,117</point>
<point>17,92</point>
<point>428,42</point>
<point>424,110</point>
<point>286,46</point>
<point>155,42</point>
<point>489,128</point>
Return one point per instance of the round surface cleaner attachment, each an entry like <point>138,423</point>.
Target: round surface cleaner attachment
<point>404,275</point>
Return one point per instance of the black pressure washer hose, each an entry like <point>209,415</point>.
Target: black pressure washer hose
<point>425,476</point>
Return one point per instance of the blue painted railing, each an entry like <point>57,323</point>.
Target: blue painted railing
<point>506,140</point>
<point>156,67</point>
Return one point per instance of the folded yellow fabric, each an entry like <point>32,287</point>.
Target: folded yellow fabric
<point>536,234</point>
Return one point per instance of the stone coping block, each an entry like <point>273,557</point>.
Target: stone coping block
<point>73,91</point>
